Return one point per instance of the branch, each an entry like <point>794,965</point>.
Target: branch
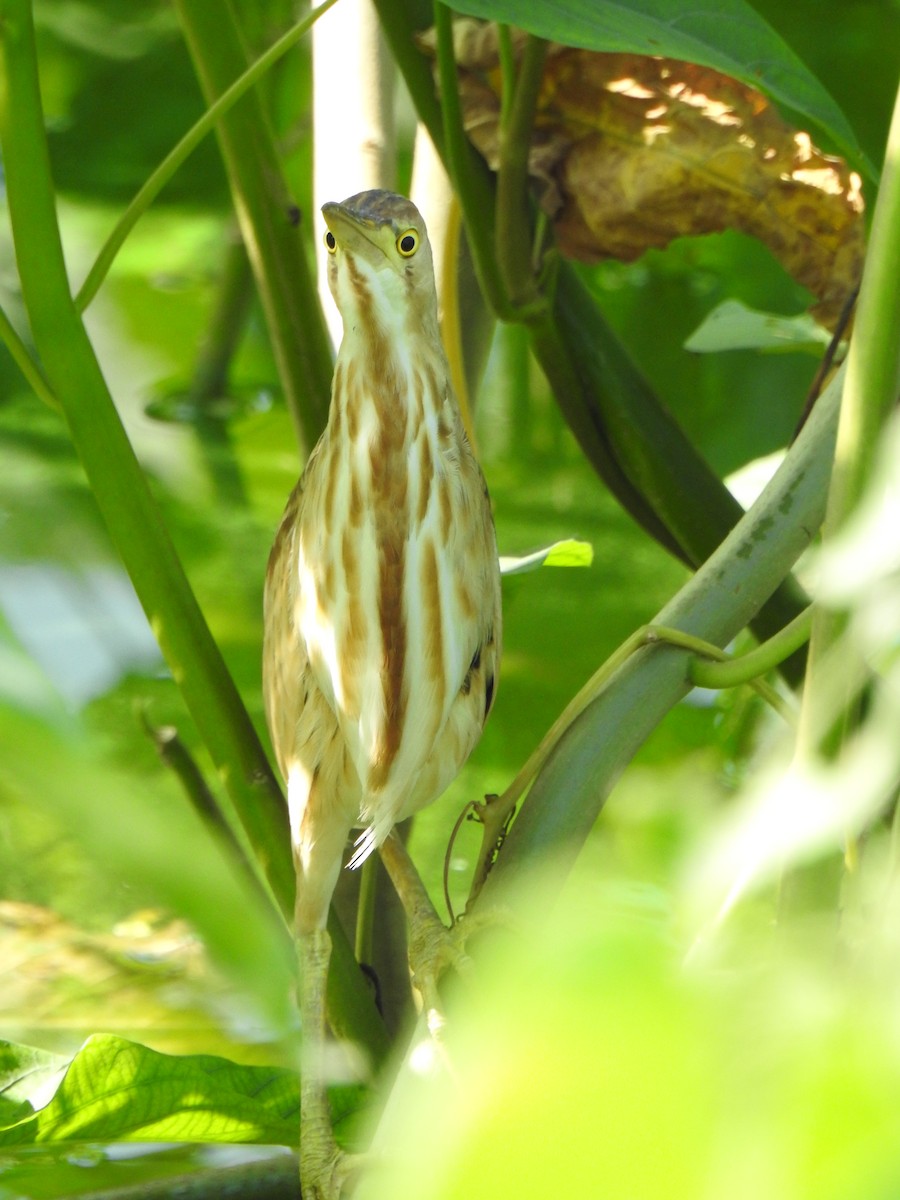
<point>723,596</point>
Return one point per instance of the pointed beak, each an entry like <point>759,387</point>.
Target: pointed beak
<point>351,232</point>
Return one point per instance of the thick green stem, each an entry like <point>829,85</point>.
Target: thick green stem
<point>471,179</point>
<point>267,217</point>
<point>714,605</point>
<point>513,220</point>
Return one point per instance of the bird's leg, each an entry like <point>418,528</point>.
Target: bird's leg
<point>324,1167</point>
<point>432,946</point>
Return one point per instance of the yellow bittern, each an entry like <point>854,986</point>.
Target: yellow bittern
<point>382,600</point>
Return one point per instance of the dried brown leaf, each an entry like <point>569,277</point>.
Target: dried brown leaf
<point>630,152</point>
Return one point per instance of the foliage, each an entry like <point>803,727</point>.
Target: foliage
<point>190,1098</point>
<point>657,1038</point>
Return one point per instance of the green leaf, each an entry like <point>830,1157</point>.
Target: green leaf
<point>567,553</point>
<point>116,1090</point>
<point>27,1077</point>
<point>734,326</point>
<point>727,35</point>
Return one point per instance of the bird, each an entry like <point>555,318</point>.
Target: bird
<point>382,611</point>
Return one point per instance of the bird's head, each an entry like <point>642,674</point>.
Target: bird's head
<point>380,266</point>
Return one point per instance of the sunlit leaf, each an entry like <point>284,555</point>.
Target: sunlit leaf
<point>568,553</point>
<point>115,1090</point>
<point>28,1077</point>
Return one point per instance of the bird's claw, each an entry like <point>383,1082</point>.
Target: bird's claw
<point>435,949</point>
<point>326,1170</point>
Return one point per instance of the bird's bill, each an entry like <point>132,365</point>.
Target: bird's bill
<point>354,233</point>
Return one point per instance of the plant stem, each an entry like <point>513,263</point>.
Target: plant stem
<point>365,911</point>
<point>571,788</point>
<point>264,207</point>
<point>400,20</point>
<point>468,173</point>
<point>733,671</point>
<point>513,223</point>
<point>708,666</point>
<point>34,376</point>
<point>872,382</point>
<point>173,160</point>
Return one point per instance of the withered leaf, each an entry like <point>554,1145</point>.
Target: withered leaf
<point>629,152</point>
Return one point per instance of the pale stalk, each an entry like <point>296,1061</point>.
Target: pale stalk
<point>871,388</point>
<point>354,141</point>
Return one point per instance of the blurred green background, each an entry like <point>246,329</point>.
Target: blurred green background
<point>79,671</point>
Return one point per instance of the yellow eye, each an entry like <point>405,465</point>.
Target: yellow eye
<point>408,243</point>
<point>330,243</point>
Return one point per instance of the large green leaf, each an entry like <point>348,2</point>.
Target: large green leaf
<point>727,35</point>
<point>116,1090</point>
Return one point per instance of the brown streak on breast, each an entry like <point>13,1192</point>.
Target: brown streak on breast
<point>350,562</point>
<point>378,354</point>
<point>446,509</point>
<point>331,468</point>
<point>352,402</point>
<point>426,475</point>
<point>357,505</point>
<point>389,490</point>
<point>465,599</point>
<point>328,582</point>
<point>285,530</point>
<point>392,566</point>
<point>421,396</point>
<point>432,389</point>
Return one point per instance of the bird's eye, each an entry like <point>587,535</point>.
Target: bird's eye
<point>330,243</point>
<point>408,243</point>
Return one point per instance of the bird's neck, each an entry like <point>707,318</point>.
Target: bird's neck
<point>386,388</point>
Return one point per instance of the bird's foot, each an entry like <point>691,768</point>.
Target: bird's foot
<point>435,949</point>
<point>326,1171</point>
